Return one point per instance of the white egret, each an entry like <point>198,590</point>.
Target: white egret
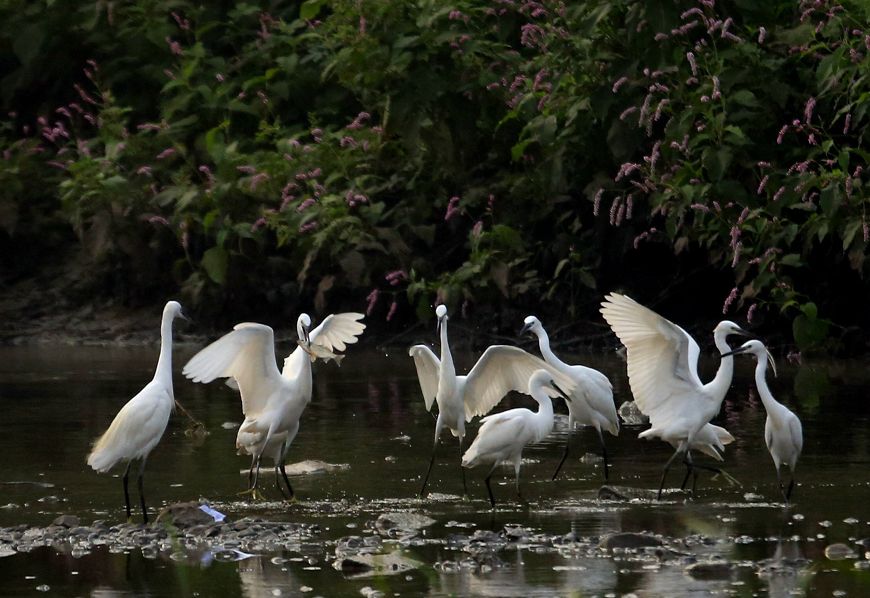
<point>663,373</point>
<point>272,401</point>
<point>460,398</point>
<point>139,425</point>
<point>591,403</point>
<point>782,430</point>
<point>503,436</point>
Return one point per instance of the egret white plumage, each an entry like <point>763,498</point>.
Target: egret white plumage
<point>503,436</point>
<point>783,432</point>
<point>272,401</point>
<point>139,425</point>
<point>460,398</point>
<point>663,373</point>
<point>591,402</point>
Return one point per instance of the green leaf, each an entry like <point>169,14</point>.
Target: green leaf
<point>215,261</point>
<point>310,8</point>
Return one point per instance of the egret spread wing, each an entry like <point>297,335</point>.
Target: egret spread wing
<point>334,333</point>
<point>662,357</point>
<point>338,330</point>
<point>246,354</point>
<point>501,369</point>
<point>428,367</point>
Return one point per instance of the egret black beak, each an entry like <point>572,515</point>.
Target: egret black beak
<point>184,317</point>
<point>561,392</point>
<point>736,351</point>
<point>743,332</point>
<point>438,327</point>
<point>526,328</point>
<point>305,333</point>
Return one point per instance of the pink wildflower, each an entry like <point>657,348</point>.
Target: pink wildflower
<point>372,299</point>
<point>392,310</point>
<point>729,300</point>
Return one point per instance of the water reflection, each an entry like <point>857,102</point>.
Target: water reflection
<point>369,414</point>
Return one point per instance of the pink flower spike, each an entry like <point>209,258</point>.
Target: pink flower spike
<point>169,151</point>
<point>372,300</point>
<point>392,310</point>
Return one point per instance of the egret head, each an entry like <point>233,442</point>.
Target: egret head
<point>173,309</point>
<point>441,314</point>
<point>303,326</point>
<point>757,348</point>
<point>531,324</point>
<point>726,328</point>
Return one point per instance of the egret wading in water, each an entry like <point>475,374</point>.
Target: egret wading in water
<point>499,370</point>
<point>140,423</point>
<point>272,401</point>
<point>590,404</point>
<point>663,373</point>
<point>503,436</point>
<point>783,433</point>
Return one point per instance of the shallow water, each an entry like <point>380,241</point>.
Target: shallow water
<point>369,415</point>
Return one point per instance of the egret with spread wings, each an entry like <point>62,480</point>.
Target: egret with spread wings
<point>272,401</point>
<point>499,370</point>
<point>663,373</point>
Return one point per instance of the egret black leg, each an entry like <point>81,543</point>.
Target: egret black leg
<point>790,488</point>
<point>692,468</point>
<point>280,468</point>
<point>256,472</point>
<point>564,456</point>
<point>488,487</point>
<point>665,472</point>
<point>429,470</point>
<point>686,478</point>
<point>603,453</point>
<point>462,469</point>
<point>782,490</point>
<point>142,491</point>
<point>127,492</point>
<point>251,472</point>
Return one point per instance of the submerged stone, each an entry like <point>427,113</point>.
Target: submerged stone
<point>66,521</point>
<point>312,466</point>
<point>711,570</point>
<point>610,492</point>
<point>839,551</point>
<point>185,514</point>
<point>403,521</point>
<point>628,540</point>
<point>371,565</point>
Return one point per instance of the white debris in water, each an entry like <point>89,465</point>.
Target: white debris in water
<point>825,523</point>
<point>850,520</point>
<point>797,517</point>
<point>229,425</point>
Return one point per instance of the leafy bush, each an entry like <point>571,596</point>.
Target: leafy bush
<point>504,155</point>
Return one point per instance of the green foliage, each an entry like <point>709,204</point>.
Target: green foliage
<point>476,153</point>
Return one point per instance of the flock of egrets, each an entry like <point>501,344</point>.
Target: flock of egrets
<point>662,363</point>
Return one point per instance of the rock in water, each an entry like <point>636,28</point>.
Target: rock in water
<point>628,540</point>
<point>310,466</point>
<point>711,570</point>
<point>407,522</point>
<point>66,521</point>
<point>371,565</point>
<point>629,493</point>
<point>185,514</point>
<point>839,551</point>
<point>631,415</point>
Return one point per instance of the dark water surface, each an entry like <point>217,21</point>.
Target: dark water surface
<point>369,414</point>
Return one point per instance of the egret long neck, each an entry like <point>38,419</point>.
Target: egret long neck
<point>164,362</point>
<point>770,404</point>
<point>549,356</point>
<point>544,416</point>
<point>447,368</point>
<point>719,385</point>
